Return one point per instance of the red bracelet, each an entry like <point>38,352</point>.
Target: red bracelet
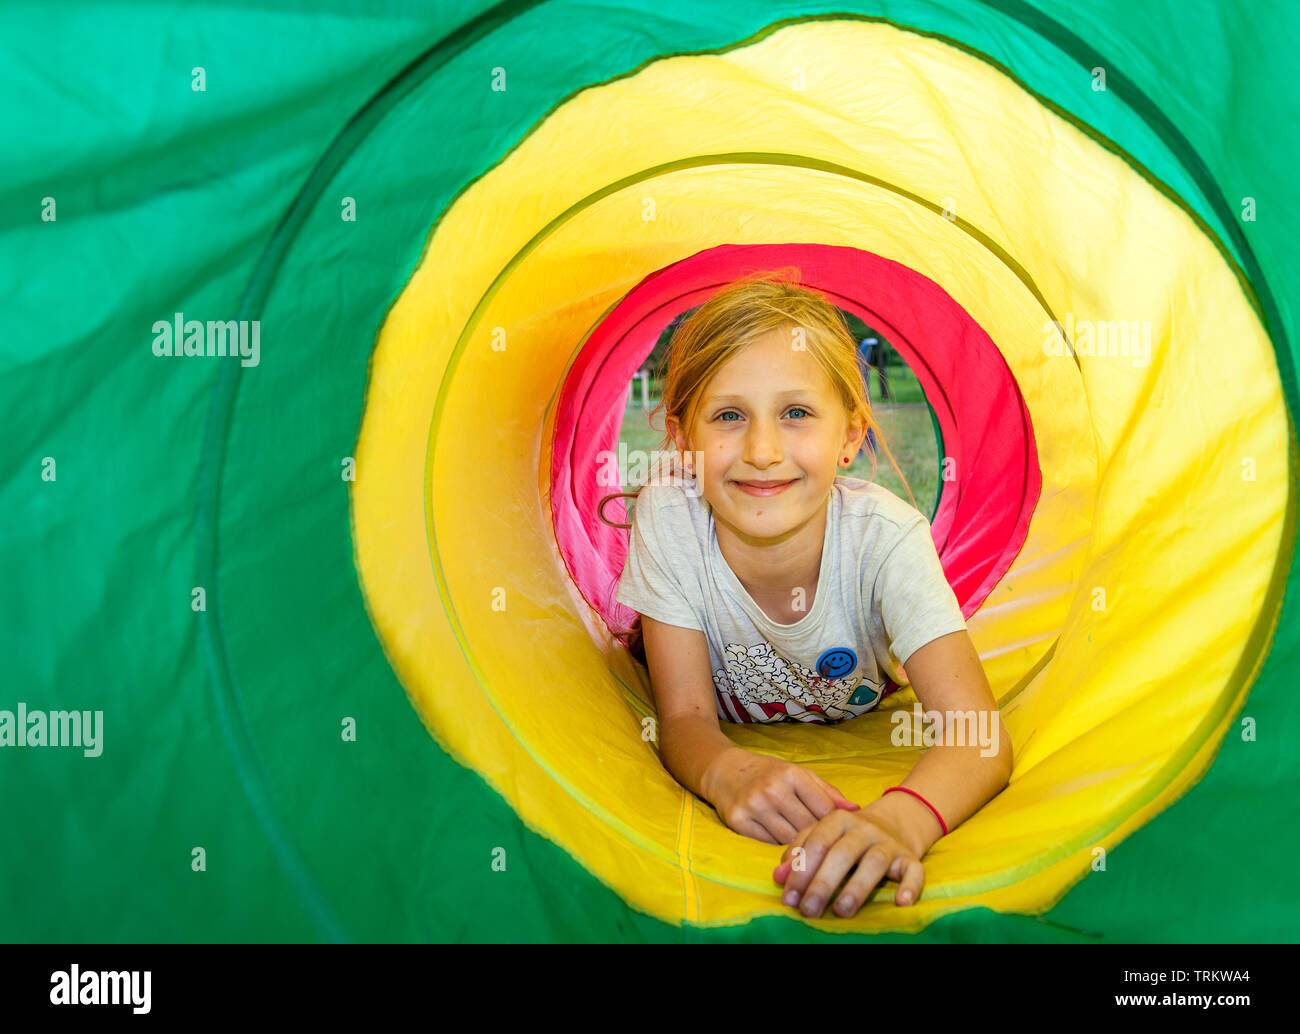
<point>943,824</point>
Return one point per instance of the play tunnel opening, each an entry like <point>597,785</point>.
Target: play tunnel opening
<point>990,480</point>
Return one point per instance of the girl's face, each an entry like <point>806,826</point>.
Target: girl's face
<point>770,415</point>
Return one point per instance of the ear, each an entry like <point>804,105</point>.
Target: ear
<point>675,432</point>
<point>855,435</point>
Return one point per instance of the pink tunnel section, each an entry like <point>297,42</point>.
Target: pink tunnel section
<point>984,509</point>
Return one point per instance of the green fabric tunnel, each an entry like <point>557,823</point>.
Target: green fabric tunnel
<point>223,727</point>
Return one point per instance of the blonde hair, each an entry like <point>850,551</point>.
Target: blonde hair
<point>734,317</point>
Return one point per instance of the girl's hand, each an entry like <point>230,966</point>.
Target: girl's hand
<point>767,799</point>
<point>872,840</point>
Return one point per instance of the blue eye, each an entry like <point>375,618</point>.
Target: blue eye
<point>732,412</point>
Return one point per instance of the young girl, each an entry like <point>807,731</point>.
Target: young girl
<point>770,588</point>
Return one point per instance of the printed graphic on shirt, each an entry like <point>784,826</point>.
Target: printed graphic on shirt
<point>758,682</point>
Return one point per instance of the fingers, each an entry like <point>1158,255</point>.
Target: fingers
<point>788,856</point>
<point>816,795</point>
<point>913,880</point>
<point>871,868</point>
<point>830,872</point>
<point>778,825</point>
<point>838,799</point>
<point>816,850</point>
<point>798,815</point>
<point>751,828</point>
<point>830,852</point>
<point>778,807</point>
<point>767,825</point>
<point>791,806</point>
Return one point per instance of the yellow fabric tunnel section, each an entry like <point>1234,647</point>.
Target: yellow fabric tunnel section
<point>1120,644</point>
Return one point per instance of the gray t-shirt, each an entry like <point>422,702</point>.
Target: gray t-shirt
<point>881,595</point>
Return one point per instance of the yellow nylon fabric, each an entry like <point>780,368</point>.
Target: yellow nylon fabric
<point>1146,563</point>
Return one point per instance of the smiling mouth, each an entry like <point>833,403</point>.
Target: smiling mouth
<point>763,487</point>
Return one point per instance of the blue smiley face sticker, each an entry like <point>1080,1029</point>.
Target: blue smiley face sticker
<point>836,662</point>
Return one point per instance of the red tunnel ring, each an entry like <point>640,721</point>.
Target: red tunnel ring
<point>984,512</point>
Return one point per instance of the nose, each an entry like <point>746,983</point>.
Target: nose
<point>763,446</point>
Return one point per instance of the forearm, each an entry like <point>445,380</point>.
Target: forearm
<point>688,746</point>
<point>957,780</point>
